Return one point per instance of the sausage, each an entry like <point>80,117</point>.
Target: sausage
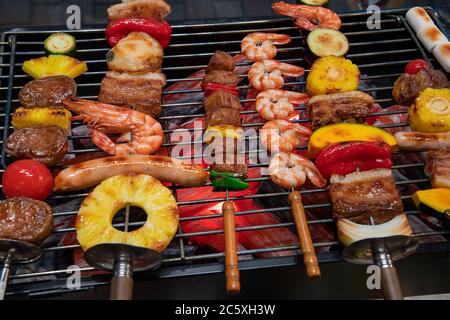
<point>25,219</point>
<point>92,172</point>
<point>423,141</point>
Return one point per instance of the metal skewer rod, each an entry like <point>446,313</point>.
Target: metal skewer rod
<point>231,258</point>
<point>389,277</point>
<point>306,243</point>
<point>4,276</point>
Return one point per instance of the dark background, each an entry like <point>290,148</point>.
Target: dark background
<point>53,12</point>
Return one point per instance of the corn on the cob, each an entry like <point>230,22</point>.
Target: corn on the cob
<point>54,65</point>
<point>331,75</point>
<point>33,117</point>
<point>431,111</point>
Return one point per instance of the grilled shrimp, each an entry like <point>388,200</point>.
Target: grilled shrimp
<point>289,170</point>
<point>278,104</point>
<point>102,118</point>
<point>268,74</point>
<point>259,46</point>
<point>283,135</point>
<point>309,17</point>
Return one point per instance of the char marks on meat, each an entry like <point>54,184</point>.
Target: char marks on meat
<point>47,92</point>
<point>25,219</point>
<point>221,77</point>
<point>339,107</point>
<point>47,145</point>
<point>139,92</point>
<point>221,61</point>
<point>408,86</point>
<point>361,195</point>
<point>223,108</point>
<point>438,168</point>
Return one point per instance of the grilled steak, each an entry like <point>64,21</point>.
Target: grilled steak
<point>47,92</point>
<point>228,157</point>
<point>222,108</point>
<point>339,107</point>
<point>141,92</point>
<point>438,168</point>
<point>361,195</point>
<point>25,219</point>
<point>221,61</point>
<point>408,86</point>
<point>221,77</point>
<point>47,145</point>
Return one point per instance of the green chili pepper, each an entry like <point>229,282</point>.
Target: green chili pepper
<point>222,181</point>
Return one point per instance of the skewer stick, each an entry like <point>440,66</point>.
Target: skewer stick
<point>231,257</point>
<point>309,253</point>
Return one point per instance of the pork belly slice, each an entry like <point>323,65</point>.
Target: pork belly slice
<point>361,195</point>
<point>438,168</point>
<point>339,107</point>
<point>141,92</point>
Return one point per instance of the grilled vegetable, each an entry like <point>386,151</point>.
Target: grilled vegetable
<point>61,43</point>
<point>41,117</point>
<point>209,88</point>
<point>119,29</point>
<point>54,65</point>
<point>341,132</point>
<point>332,74</point>
<point>327,42</point>
<point>225,131</point>
<point>350,232</point>
<point>27,178</point>
<point>442,54</point>
<point>347,157</point>
<point>321,3</point>
<point>223,181</point>
<point>431,111</point>
<point>414,66</point>
<point>431,36</point>
<point>434,201</point>
<point>418,18</point>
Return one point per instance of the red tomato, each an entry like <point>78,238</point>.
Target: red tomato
<point>27,178</point>
<point>414,66</point>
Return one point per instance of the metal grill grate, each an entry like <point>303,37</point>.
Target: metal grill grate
<point>380,55</point>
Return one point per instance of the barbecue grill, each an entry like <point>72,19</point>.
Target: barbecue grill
<point>380,54</point>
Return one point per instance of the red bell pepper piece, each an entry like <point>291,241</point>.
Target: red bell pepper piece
<point>347,157</point>
<point>209,88</point>
<point>119,29</point>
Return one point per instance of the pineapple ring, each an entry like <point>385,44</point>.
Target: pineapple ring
<point>93,223</point>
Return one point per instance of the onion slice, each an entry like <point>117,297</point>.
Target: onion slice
<point>350,232</point>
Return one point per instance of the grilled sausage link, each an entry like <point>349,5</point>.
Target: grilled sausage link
<point>92,172</point>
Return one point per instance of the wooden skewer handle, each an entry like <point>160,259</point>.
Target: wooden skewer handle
<point>231,257</point>
<point>309,253</point>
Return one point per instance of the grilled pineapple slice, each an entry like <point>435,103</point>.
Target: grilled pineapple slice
<point>54,65</point>
<point>431,111</point>
<point>331,75</point>
<point>34,117</point>
<point>94,218</point>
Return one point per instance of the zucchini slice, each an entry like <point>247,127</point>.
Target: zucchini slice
<point>327,42</point>
<point>433,201</point>
<point>322,3</point>
<point>61,43</point>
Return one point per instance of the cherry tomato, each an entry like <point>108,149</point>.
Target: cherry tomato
<point>27,178</point>
<point>414,66</point>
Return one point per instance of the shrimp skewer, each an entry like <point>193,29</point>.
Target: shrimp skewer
<point>278,104</point>
<point>268,74</point>
<point>259,46</point>
<point>283,135</point>
<point>309,17</point>
<point>105,118</point>
<point>290,170</point>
